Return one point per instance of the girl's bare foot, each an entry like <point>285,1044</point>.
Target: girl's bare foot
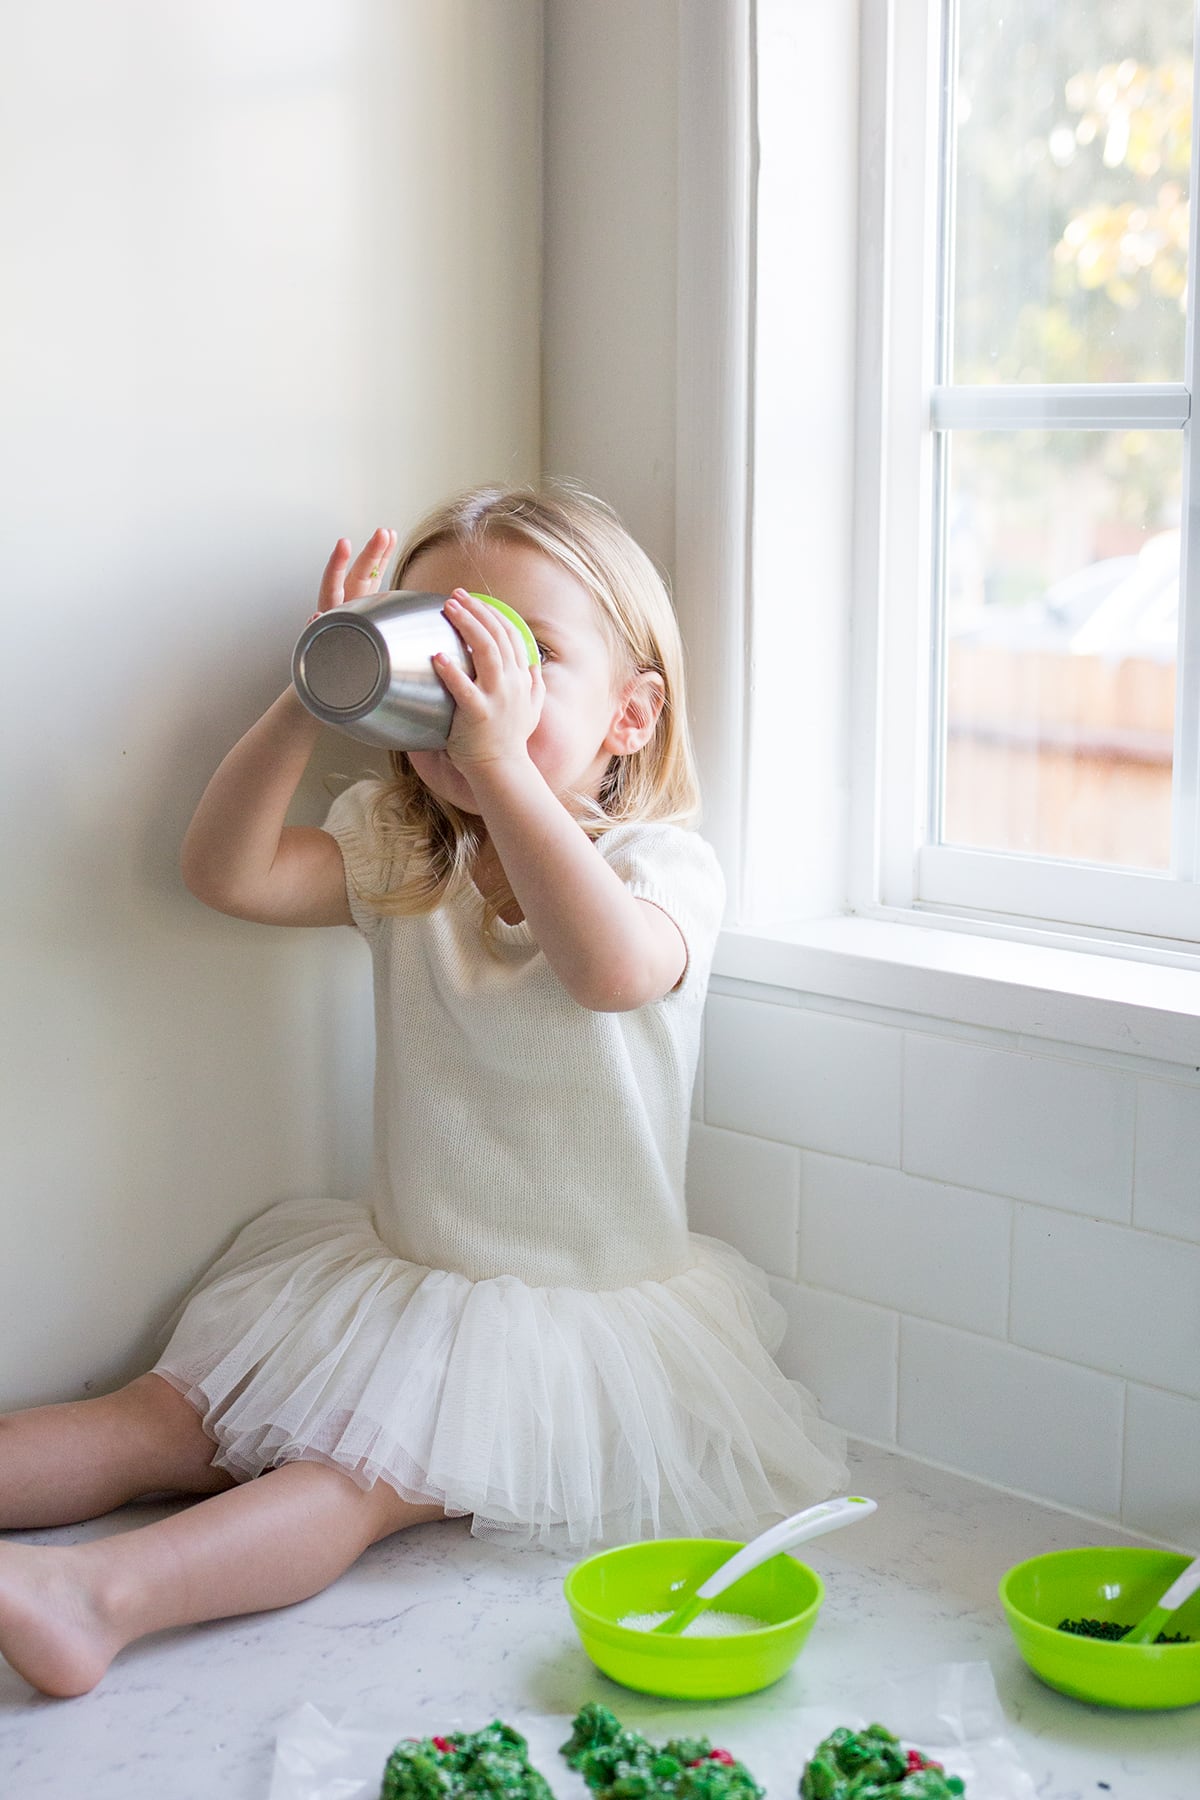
<point>52,1627</point>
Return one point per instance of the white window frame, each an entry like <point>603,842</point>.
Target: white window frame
<point>898,870</point>
<point>789,748</point>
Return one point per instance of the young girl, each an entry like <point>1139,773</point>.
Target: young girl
<point>515,1324</point>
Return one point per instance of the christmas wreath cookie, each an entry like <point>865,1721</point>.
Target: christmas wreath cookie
<point>870,1765</point>
<point>623,1765</point>
<point>492,1764</point>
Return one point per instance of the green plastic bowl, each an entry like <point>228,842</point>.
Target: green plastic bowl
<point>648,1578</point>
<point>1112,1582</point>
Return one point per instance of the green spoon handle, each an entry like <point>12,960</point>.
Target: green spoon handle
<point>1181,1589</point>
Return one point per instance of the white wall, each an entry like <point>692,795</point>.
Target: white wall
<point>272,275</point>
<point>609,298</point>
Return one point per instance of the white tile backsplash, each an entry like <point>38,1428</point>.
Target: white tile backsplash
<point>1162,1466</point>
<point>978,1275</point>
<point>804,1078</point>
<point>1112,1298</point>
<point>746,1191</point>
<point>1166,1176</point>
<point>1029,1126</point>
<point>1025,1421</point>
<point>899,1241</point>
<point>846,1354</point>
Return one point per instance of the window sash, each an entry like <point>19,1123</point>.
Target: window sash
<point>1143,406</point>
<point>897,863</point>
<point>1059,893</point>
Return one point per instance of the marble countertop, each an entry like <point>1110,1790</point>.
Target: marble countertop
<point>433,1626</point>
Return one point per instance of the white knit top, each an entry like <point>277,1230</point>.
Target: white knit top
<point>516,1131</point>
<point>515,1325</point>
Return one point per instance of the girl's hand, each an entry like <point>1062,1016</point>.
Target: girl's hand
<point>494,715</point>
<point>345,580</point>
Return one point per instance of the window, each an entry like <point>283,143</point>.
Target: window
<point>1031,720</point>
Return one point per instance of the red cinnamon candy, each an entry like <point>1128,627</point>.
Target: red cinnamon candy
<point>917,1761</point>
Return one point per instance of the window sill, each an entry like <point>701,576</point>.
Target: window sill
<point>1098,1001</point>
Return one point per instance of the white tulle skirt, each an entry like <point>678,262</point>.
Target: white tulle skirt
<point>551,1415</point>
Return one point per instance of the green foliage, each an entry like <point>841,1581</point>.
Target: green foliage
<point>1072,144</point>
<point>1136,118</point>
<point>1071,149</point>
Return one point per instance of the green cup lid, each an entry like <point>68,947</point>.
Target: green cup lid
<point>535,654</point>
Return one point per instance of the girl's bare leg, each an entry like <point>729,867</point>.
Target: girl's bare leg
<point>60,1464</point>
<point>65,1613</point>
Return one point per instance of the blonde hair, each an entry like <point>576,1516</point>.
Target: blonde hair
<point>658,782</point>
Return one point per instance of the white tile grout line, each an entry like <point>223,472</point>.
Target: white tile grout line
<point>903,1107</point>
<point>1123,1449</point>
<point>965,1187</point>
<point>1004,1343</point>
<point>1133,1160</point>
<point>998,1487</point>
<point>800,1181</point>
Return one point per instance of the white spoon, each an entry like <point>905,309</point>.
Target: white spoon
<point>830,1515</point>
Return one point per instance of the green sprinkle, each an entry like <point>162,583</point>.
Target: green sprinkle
<point>1112,1633</point>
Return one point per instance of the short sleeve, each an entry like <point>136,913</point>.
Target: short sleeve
<point>677,871</point>
<point>369,862</point>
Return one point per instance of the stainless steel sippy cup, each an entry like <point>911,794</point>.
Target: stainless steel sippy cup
<point>365,667</point>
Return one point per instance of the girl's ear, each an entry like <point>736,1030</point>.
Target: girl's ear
<point>637,713</point>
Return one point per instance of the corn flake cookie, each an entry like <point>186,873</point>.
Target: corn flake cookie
<point>623,1765</point>
<point>492,1764</point>
<point>870,1765</point>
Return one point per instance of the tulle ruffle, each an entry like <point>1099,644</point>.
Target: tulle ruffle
<point>551,1415</point>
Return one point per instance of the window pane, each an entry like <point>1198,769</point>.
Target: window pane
<point>1061,584</point>
<point>1072,139</point>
